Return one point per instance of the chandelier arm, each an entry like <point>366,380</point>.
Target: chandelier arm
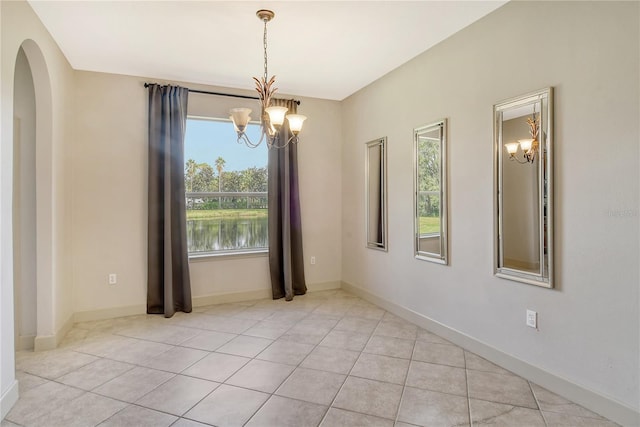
<point>244,139</point>
<point>517,160</point>
<point>292,140</point>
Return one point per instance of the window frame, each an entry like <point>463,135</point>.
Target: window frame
<point>227,253</point>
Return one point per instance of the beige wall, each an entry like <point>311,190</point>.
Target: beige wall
<point>589,52</point>
<point>53,81</point>
<point>109,166</point>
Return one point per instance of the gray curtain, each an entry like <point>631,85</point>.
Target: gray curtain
<point>168,284</point>
<point>286,261</point>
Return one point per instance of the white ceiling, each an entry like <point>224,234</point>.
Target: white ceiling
<point>323,49</point>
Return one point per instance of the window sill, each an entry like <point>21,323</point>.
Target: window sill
<point>228,255</point>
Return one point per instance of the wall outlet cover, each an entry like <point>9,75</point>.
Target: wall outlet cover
<point>532,319</point>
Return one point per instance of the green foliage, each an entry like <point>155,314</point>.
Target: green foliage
<point>428,166</point>
<point>198,176</point>
<point>201,177</point>
<point>253,179</point>
<point>226,213</point>
<point>429,225</point>
<point>231,181</point>
<point>428,178</point>
<point>220,162</point>
<point>429,205</point>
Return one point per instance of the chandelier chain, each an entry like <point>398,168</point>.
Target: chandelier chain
<point>265,50</point>
<point>272,118</point>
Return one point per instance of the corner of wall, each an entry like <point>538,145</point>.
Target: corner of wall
<point>8,399</point>
<point>50,342</point>
<point>604,405</point>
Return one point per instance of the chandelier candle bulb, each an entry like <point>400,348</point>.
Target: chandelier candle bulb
<point>276,115</point>
<point>512,147</point>
<point>295,122</point>
<point>525,144</point>
<point>240,118</point>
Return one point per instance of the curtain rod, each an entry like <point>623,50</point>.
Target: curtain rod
<point>205,92</point>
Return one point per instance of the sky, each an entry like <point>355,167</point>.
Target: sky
<point>206,140</point>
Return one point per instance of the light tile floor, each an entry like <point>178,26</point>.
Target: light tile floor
<point>326,358</point>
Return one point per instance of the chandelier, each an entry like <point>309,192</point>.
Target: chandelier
<point>272,117</point>
<point>528,146</point>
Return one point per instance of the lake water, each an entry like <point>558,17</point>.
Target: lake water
<point>228,234</point>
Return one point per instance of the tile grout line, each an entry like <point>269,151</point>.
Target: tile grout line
<point>466,380</point>
<point>241,367</point>
<point>314,348</point>
<point>219,383</point>
<point>274,391</point>
<point>351,370</point>
<point>544,419</point>
<point>344,315</point>
<point>404,387</point>
<point>161,370</point>
<point>270,395</point>
<point>350,304</point>
<point>134,365</point>
<point>295,366</point>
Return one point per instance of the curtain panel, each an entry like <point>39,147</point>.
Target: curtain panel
<point>168,282</point>
<point>286,261</point>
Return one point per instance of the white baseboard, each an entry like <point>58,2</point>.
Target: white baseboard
<point>324,286</point>
<point>199,301</point>
<point>25,342</point>
<point>109,313</point>
<point>227,297</point>
<point>8,399</point>
<point>49,342</point>
<point>603,405</point>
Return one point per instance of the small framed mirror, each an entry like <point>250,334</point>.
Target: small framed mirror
<point>376,193</point>
<point>523,190</point>
<point>430,195</point>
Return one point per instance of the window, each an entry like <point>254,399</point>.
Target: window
<point>226,189</point>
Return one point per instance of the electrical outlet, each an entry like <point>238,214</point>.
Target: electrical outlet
<point>113,279</point>
<point>532,319</point>
<point>313,260</point>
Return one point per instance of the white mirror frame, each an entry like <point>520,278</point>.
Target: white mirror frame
<point>381,215</point>
<point>544,276</point>
<point>443,256</point>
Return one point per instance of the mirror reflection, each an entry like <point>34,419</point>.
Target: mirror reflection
<point>523,242</point>
<point>430,192</point>
<point>376,194</point>
<point>520,194</point>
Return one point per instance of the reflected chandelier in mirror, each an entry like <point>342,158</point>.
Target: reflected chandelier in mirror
<point>529,146</point>
<point>523,218</point>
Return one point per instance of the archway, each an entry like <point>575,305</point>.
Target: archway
<point>32,213</point>
<point>24,205</point>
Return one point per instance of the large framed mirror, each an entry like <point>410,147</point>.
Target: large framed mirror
<point>430,192</point>
<point>523,189</point>
<point>376,193</point>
